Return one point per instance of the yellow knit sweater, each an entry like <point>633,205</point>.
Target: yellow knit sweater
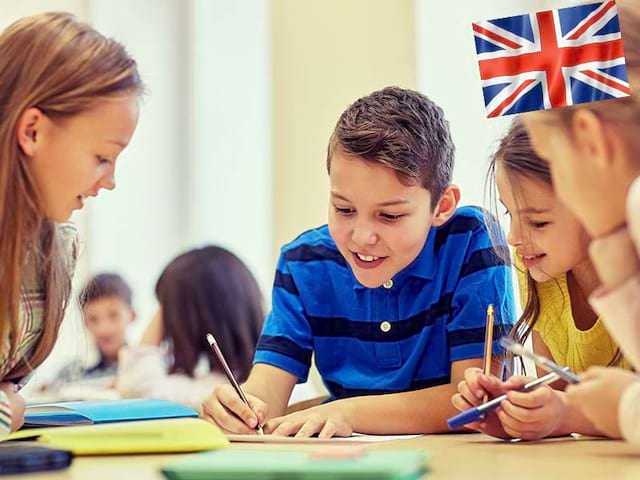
<point>569,346</point>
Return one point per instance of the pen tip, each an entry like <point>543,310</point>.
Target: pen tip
<point>210,339</point>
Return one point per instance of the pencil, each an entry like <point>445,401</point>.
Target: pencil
<point>232,379</point>
<point>488,346</point>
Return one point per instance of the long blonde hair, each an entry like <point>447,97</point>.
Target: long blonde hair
<point>62,67</point>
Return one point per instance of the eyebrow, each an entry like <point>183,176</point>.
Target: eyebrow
<point>388,203</point>
<point>530,210</point>
<point>534,210</point>
<point>120,144</point>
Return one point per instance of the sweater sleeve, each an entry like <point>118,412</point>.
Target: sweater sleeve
<point>629,414</point>
<point>5,416</point>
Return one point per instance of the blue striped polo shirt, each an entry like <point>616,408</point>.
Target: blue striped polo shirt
<point>369,341</point>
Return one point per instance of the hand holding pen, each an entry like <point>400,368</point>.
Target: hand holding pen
<point>229,407</point>
<point>530,412</point>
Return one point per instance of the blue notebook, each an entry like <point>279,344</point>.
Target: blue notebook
<point>105,411</point>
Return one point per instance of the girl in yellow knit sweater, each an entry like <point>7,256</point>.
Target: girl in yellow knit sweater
<point>555,277</point>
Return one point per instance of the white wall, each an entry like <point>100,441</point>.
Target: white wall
<point>230,195</point>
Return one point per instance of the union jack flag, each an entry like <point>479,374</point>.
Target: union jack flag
<point>551,59</point>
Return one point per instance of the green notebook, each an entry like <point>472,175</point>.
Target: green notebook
<point>236,464</point>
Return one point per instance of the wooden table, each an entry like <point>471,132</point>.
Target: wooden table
<point>467,456</point>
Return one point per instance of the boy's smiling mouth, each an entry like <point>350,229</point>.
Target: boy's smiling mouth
<point>367,261</point>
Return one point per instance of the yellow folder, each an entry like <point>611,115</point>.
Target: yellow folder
<point>148,436</point>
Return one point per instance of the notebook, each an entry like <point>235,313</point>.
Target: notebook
<point>169,435</point>
<point>354,438</point>
<point>104,411</point>
<point>236,464</point>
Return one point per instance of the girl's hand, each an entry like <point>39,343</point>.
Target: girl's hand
<point>474,387</point>
<point>598,395</point>
<point>154,333</point>
<point>532,415</point>
<point>471,392</point>
<point>321,420</point>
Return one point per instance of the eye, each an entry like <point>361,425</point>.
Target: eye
<point>539,224</point>
<point>102,160</point>
<point>344,211</point>
<point>507,212</point>
<point>391,217</point>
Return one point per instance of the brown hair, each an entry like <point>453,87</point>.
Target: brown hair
<point>210,290</point>
<point>402,129</point>
<point>105,285</point>
<point>62,67</point>
<point>516,154</point>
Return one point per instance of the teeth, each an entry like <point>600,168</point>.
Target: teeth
<point>367,258</point>
<point>531,257</point>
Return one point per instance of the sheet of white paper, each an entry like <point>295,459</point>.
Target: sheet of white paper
<point>355,438</point>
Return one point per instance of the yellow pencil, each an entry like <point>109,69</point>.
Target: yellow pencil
<point>488,346</point>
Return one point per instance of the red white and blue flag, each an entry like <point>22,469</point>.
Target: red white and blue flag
<point>551,59</point>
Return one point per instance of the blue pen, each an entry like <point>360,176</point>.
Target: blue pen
<point>476,413</point>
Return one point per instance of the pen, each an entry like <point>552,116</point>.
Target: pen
<point>232,379</point>
<point>476,413</point>
<point>539,360</point>
<point>488,345</point>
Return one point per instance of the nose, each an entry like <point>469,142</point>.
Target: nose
<point>514,237</point>
<point>108,181</point>
<point>363,234</point>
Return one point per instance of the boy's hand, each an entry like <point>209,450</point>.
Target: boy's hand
<point>226,409</point>
<point>16,403</point>
<point>322,420</point>
<point>598,395</point>
<point>531,415</point>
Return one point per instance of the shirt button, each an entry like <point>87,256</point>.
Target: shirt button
<point>385,327</point>
<point>388,284</point>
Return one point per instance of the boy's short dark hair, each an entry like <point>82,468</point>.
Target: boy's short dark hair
<point>105,285</point>
<point>402,129</point>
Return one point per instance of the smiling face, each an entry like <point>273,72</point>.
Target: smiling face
<point>379,224</point>
<point>546,236</point>
<point>74,158</point>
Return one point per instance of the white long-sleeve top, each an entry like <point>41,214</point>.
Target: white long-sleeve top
<point>617,256</point>
<point>142,373</point>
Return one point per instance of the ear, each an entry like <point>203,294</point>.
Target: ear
<point>591,137</point>
<point>134,315</point>
<point>446,206</point>
<point>28,130</point>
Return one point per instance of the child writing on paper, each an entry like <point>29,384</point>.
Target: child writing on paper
<point>107,310</point>
<point>204,290</point>
<point>68,107</point>
<point>594,155</point>
<point>390,297</point>
<point>555,278</point>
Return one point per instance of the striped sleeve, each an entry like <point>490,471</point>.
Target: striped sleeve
<point>5,416</point>
<point>286,340</point>
<point>485,278</point>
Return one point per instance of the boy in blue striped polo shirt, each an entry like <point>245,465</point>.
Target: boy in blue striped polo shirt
<point>390,297</point>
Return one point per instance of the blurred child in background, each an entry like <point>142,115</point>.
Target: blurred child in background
<point>107,309</point>
<point>204,290</point>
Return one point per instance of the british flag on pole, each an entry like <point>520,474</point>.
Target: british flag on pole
<point>551,59</point>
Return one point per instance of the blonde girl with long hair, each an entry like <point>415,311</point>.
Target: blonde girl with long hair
<point>68,107</point>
